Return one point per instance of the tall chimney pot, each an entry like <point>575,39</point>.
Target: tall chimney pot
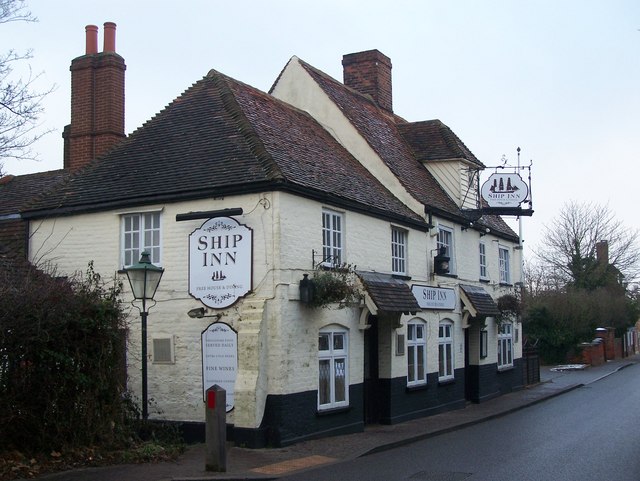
<point>91,32</point>
<point>109,37</point>
<point>97,101</point>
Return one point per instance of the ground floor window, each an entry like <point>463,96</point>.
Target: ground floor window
<point>416,353</point>
<point>333,383</point>
<point>505,345</point>
<point>445,351</point>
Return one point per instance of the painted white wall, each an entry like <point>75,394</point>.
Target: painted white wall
<point>298,88</point>
<point>277,336</point>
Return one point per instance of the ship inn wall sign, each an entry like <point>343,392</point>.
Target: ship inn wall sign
<point>220,262</point>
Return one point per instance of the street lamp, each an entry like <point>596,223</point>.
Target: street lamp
<point>144,278</point>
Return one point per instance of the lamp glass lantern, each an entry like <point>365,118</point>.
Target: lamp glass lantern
<point>144,278</point>
<point>441,261</point>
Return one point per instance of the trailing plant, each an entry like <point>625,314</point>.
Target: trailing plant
<point>337,285</point>
<point>510,307</point>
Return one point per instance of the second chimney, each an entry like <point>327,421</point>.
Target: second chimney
<point>369,73</point>
<point>97,100</point>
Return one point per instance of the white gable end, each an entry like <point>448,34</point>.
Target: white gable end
<point>296,87</point>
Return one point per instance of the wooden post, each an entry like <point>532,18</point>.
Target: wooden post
<point>216,429</point>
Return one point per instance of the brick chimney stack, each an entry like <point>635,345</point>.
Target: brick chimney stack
<point>370,73</point>
<point>602,252</point>
<point>97,100</point>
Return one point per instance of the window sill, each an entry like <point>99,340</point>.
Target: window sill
<point>330,411</point>
<point>484,280</point>
<point>417,387</point>
<point>452,276</point>
<point>505,369</point>
<point>404,277</point>
<point>506,284</point>
<point>446,382</point>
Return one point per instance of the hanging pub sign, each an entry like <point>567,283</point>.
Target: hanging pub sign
<point>220,360</point>
<point>220,262</point>
<point>505,190</point>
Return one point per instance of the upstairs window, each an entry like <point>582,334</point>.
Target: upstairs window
<point>332,238</point>
<point>505,270</point>
<point>445,239</point>
<point>398,251</point>
<point>140,232</point>
<point>483,260</point>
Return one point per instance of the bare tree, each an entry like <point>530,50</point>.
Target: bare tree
<point>540,278</point>
<point>569,245</point>
<point>20,104</point>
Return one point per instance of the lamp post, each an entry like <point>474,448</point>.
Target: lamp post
<point>144,278</point>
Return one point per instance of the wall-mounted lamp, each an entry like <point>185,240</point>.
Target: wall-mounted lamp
<point>484,232</point>
<point>441,261</point>
<point>199,313</point>
<point>464,227</point>
<point>306,289</point>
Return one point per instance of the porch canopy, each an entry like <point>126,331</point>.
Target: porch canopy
<point>388,294</point>
<point>478,302</point>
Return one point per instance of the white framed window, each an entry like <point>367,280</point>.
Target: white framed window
<point>332,238</point>
<point>505,345</point>
<point>416,353</point>
<point>445,351</point>
<point>398,251</point>
<point>140,232</point>
<point>445,239</point>
<point>482,251</point>
<point>333,369</point>
<point>505,270</point>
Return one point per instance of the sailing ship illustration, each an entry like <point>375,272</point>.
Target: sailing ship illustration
<point>218,276</point>
<point>498,186</point>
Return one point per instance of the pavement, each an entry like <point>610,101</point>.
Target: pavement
<point>269,464</point>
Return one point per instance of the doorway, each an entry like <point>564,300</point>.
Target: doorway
<point>371,373</point>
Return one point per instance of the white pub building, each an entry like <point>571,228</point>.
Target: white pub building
<point>248,200</point>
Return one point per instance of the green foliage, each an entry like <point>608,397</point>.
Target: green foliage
<point>62,354</point>
<point>335,286</point>
<point>510,307</point>
<point>560,320</point>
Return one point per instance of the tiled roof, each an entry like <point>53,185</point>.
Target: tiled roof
<point>388,293</point>
<point>399,146</point>
<point>17,192</point>
<point>222,137</point>
<point>432,140</point>
<point>480,300</point>
<point>381,132</point>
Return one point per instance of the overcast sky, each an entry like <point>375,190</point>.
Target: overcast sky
<point>558,78</point>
